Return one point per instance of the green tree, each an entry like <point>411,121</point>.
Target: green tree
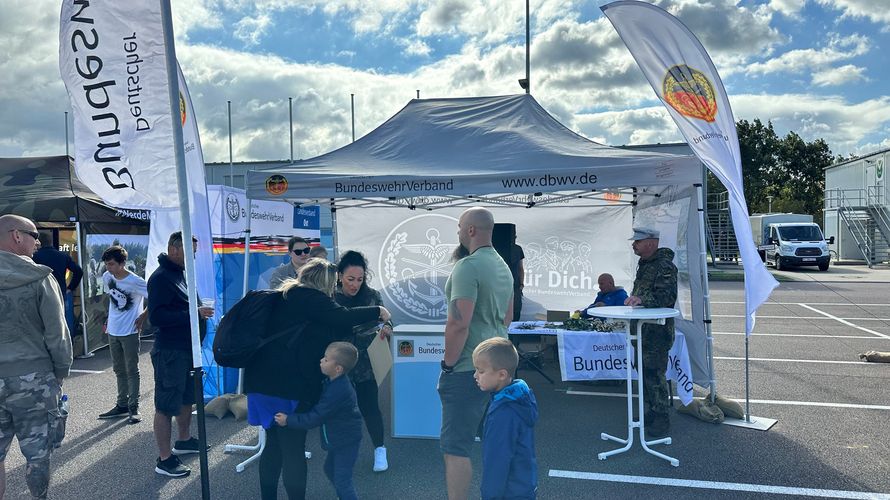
<point>789,169</point>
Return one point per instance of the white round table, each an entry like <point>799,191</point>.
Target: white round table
<point>641,315</point>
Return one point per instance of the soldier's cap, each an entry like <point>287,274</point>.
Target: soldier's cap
<point>644,233</point>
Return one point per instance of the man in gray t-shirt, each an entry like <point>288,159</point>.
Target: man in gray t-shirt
<point>480,306</point>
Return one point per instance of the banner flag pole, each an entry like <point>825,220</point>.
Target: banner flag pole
<point>184,192</point>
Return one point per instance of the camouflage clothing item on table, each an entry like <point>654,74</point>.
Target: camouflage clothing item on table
<point>29,410</point>
<point>656,286</point>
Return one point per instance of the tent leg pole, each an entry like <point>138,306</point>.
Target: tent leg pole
<point>334,231</point>
<point>83,310</point>
<point>747,386</point>
<point>246,283</point>
<point>706,292</point>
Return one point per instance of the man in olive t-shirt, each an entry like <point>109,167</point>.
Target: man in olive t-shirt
<point>480,306</point>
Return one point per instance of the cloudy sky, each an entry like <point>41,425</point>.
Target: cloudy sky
<point>818,67</point>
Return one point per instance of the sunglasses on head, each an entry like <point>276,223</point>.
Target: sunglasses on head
<point>304,251</point>
<point>33,234</point>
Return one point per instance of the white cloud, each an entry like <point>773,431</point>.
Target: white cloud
<point>787,7</point>
<point>251,30</point>
<point>819,61</point>
<point>842,123</point>
<point>417,48</point>
<point>636,126</point>
<point>869,9</point>
<point>581,73</point>
<point>839,76</point>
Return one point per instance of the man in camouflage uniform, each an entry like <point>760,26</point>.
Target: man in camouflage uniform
<point>36,353</point>
<point>655,286</point>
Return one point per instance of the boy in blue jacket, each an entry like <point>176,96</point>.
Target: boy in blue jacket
<point>509,466</point>
<point>337,414</point>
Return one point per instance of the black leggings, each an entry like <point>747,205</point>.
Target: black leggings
<point>284,452</point>
<point>366,393</point>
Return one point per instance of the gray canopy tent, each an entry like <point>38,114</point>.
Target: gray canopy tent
<point>502,151</point>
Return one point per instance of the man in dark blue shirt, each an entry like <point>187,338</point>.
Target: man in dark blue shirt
<point>60,262</point>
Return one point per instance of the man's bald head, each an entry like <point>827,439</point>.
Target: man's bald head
<point>17,235</point>
<point>479,217</point>
<point>606,282</point>
<point>475,227</point>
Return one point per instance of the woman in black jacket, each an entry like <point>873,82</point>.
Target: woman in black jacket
<point>353,291</point>
<point>284,375</point>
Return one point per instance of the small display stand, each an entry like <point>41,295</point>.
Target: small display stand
<point>641,315</point>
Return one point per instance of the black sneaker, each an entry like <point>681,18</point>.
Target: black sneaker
<point>186,447</point>
<point>116,412</point>
<point>172,467</point>
<point>135,418</point>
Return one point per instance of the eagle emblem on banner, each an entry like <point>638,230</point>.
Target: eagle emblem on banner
<point>182,108</point>
<point>416,263</point>
<point>689,91</point>
<point>276,185</point>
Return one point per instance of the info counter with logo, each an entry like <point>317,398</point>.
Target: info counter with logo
<point>418,350</point>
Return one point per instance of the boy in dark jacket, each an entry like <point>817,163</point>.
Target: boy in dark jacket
<point>509,466</point>
<point>337,414</point>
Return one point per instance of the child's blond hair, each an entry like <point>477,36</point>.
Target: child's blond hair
<point>500,353</point>
<point>344,354</point>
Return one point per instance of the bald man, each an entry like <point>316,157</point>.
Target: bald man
<point>480,306</point>
<point>609,294</point>
<point>36,353</point>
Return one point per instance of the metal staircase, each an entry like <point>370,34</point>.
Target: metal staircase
<point>719,231</point>
<point>865,215</point>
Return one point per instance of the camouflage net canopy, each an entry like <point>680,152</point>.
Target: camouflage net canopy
<point>45,189</point>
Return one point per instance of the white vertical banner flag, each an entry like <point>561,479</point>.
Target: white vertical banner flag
<point>164,222</point>
<point>685,79</point>
<point>111,57</point>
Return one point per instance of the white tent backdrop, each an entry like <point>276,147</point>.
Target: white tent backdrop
<point>566,247</point>
<point>441,156</point>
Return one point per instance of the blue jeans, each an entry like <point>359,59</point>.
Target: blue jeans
<point>338,467</point>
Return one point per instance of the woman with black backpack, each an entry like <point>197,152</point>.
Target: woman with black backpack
<point>284,375</point>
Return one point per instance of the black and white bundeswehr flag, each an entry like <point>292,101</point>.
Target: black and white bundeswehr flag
<point>112,60</point>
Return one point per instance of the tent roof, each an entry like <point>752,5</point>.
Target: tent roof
<point>45,189</point>
<point>469,146</point>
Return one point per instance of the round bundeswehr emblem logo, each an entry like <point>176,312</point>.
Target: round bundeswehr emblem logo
<point>233,207</point>
<point>415,262</point>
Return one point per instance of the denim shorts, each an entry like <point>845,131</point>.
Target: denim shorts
<point>174,380</point>
<point>463,405</point>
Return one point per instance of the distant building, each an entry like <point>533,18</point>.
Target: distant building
<point>857,208</point>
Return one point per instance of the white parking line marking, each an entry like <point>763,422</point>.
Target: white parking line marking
<point>866,337</point>
<point>716,485</point>
<point>811,303</point>
<point>759,316</point>
<point>86,371</point>
<point>843,321</point>
<point>819,361</point>
<point>858,406</point>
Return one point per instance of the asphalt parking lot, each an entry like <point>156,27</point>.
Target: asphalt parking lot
<point>830,440</point>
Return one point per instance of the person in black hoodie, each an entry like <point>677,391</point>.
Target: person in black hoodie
<point>284,376</point>
<point>171,357</point>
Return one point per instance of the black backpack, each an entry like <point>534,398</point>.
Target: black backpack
<point>243,331</point>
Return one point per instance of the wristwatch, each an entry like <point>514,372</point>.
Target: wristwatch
<point>446,368</point>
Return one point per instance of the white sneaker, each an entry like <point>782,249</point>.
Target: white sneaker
<point>380,463</point>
